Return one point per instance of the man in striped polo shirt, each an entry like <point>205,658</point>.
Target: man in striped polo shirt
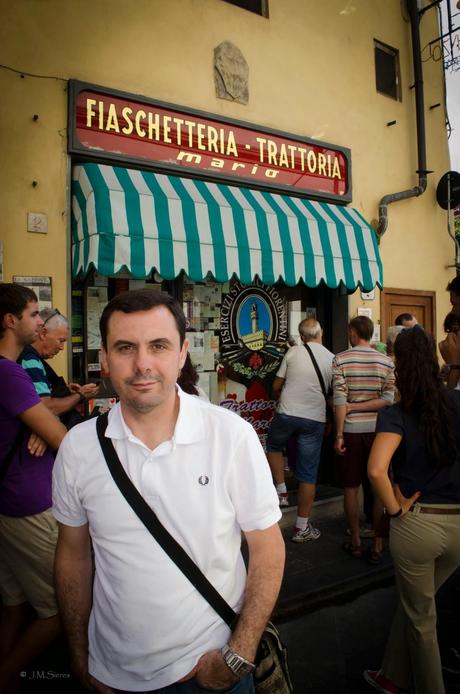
<point>363,382</point>
<point>50,340</point>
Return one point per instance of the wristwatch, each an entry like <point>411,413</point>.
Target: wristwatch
<point>237,664</point>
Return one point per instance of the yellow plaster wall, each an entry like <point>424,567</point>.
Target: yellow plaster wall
<point>311,73</point>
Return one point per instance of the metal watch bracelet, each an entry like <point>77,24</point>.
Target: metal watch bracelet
<point>236,663</point>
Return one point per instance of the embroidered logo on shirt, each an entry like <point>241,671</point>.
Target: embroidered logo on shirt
<point>203,480</point>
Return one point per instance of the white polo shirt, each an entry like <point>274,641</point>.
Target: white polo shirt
<point>148,625</point>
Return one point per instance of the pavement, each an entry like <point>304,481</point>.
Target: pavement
<point>320,572</point>
<point>334,611</point>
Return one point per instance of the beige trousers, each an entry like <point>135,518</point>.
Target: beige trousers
<point>426,551</point>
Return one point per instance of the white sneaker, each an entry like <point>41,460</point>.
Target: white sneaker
<point>310,533</point>
<point>283,499</point>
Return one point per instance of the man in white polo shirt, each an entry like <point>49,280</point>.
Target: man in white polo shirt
<point>202,470</point>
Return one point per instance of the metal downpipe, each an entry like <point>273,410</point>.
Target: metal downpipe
<point>420,121</point>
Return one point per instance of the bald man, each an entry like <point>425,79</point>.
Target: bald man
<point>301,411</point>
<point>51,340</point>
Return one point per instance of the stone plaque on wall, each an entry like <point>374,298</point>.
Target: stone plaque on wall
<point>231,73</point>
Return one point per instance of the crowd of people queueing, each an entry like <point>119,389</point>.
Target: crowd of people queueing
<point>397,429</point>
<point>397,425</point>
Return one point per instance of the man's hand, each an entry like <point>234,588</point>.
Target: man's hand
<point>80,668</point>
<point>89,390</point>
<point>213,673</point>
<point>99,686</point>
<point>339,445</point>
<point>450,349</point>
<point>36,446</point>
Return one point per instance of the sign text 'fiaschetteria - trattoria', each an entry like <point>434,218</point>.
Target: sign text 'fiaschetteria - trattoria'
<point>144,131</point>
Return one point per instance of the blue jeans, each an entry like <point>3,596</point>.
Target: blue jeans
<point>309,435</point>
<point>244,686</point>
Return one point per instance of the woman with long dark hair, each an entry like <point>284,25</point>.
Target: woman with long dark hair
<point>188,379</point>
<point>420,437</point>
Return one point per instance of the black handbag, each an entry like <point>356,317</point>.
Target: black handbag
<point>271,675</point>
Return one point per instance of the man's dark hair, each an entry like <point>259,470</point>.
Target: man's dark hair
<point>142,300</point>
<point>14,299</point>
<point>402,317</point>
<point>363,326</point>
<point>454,286</point>
<point>188,377</point>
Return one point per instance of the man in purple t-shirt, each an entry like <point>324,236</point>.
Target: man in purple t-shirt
<point>28,534</point>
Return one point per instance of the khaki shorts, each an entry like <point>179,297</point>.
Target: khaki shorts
<point>27,548</point>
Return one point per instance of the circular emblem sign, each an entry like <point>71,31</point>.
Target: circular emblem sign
<point>253,331</point>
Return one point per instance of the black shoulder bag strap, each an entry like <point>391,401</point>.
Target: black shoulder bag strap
<point>317,369</point>
<point>159,532</point>
<point>7,460</point>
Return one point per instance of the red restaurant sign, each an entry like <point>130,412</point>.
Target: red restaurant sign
<point>106,124</point>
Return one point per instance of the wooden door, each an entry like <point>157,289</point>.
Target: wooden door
<point>422,304</point>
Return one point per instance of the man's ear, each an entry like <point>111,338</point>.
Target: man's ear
<point>183,352</point>
<point>104,360</point>
<point>9,320</point>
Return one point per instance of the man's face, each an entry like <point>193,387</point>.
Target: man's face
<point>143,357</point>
<point>28,326</point>
<point>455,301</point>
<point>52,340</point>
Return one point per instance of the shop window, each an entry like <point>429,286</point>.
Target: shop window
<point>201,302</point>
<point>387,72</point>
<point>256,6</point>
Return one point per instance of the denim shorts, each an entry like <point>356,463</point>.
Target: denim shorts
<point>309,442</point>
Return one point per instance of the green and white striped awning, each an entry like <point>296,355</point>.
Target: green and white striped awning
<point>138,221</point>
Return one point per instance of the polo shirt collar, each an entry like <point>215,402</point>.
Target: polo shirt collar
<point>364,347</point>
<point>29,351</point>
<point>189,424</point>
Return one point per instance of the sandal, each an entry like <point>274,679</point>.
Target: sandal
<point>353,550</point>
<point>374,556</point>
